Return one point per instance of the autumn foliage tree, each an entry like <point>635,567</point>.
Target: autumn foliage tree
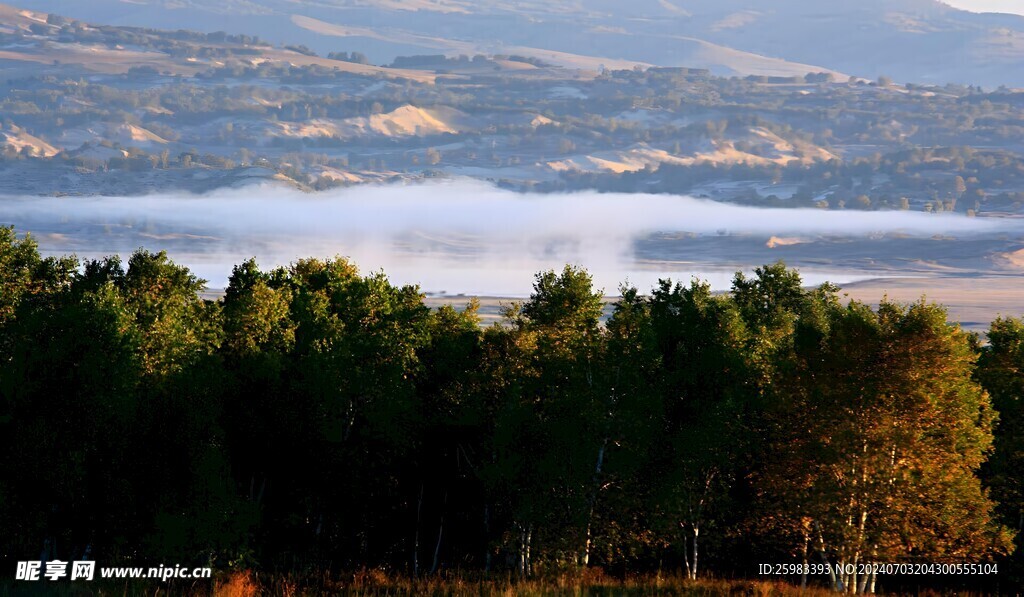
<point>877,433</point>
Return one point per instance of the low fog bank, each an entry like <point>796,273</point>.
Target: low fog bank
<point>455,237</point>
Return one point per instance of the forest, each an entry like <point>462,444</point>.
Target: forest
<point>315,421</point>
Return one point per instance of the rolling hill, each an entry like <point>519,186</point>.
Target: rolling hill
<point>909,40</point>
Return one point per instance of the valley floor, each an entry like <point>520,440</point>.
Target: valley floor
<point>973,300</point>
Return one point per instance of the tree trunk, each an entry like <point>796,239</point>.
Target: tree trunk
<point>696,534</point>
<point>522,552</point>
<point>585,559</point>
<point>487,538</point>
<point>864,579</point>
<point>868,582</point>
<point>806,564</point>
<point>416,536</point>
<point>529,540</point>
<point>837,582</point>
<point>440,534</point>
<point>686,552</point>
<point>855,586</point>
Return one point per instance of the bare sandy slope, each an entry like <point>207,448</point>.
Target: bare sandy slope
<point>20,17</point>
<point>762,148</point>
<point>19,139</point>
<point>1015,258</point>
<point>404,121</point>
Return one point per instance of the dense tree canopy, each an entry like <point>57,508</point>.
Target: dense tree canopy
<point>316,418</point>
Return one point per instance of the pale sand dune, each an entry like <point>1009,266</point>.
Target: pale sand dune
<point>19,140</point>
<point>767,148</point>
<point>1016,258</point>
<point>39,17</point>
<point>406,121</point>
<point>137,135</point>
<point>21,18</point>
<point>409,121</point>
<point>125,134</point>
<point>779,241</point>
<point>350,177</point>
<point>339,175</point>
<point>540,120</point>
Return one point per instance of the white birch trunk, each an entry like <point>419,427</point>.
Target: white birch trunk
<point>686,552</point>
<point>529,540</point>
<point>837,582</point>
<point>522,552</point>
<point>696,552</point>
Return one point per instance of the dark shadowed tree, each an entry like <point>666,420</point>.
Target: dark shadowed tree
<point>1001,372</point>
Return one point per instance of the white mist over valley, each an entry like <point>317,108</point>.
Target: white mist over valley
<point>465,237</point>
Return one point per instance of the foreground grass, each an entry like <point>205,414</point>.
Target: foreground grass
<point>374,583</point>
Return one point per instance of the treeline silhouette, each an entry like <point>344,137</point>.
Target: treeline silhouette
<point>316,419</point>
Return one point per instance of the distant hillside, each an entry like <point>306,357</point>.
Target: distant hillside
<point>49,43</point>
<point>908,40</point>
<point>85,103</point>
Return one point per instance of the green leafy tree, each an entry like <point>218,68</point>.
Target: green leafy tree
<point>357,345</point>
<point>703,343</point>
<point>450,447</point>
<point>561,406</point>
<point>68,392</point>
